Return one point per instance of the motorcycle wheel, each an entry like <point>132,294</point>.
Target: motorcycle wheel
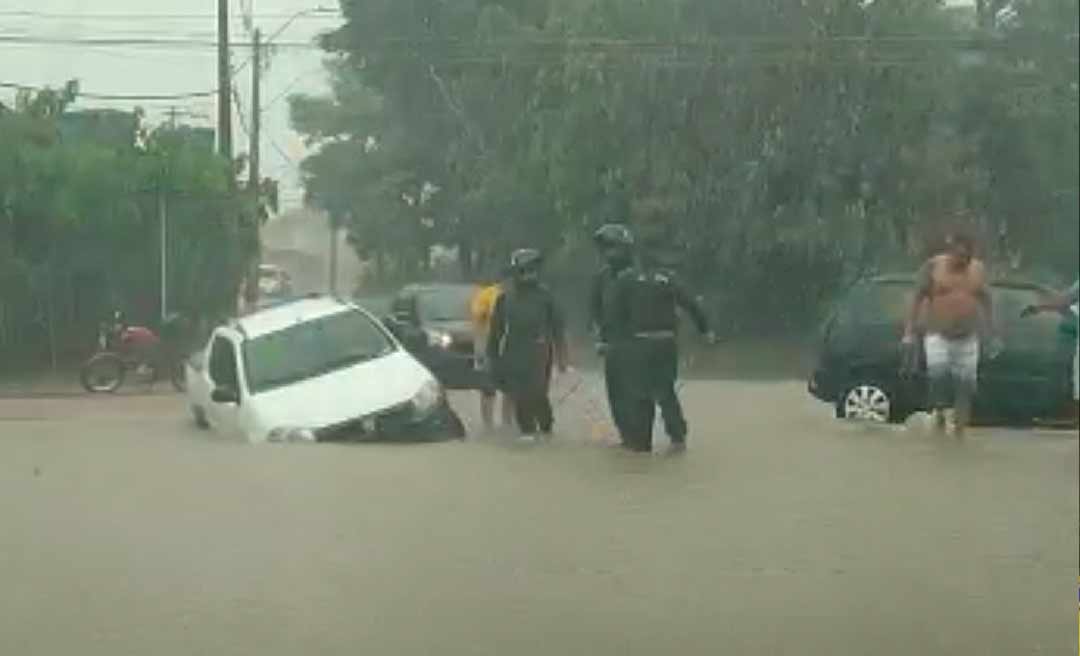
<point>103,374</point>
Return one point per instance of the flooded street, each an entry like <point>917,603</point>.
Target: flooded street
<point>126,531</point>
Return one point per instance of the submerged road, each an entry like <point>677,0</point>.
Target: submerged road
<point>123,530</point>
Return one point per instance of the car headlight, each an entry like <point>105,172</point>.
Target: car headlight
<point>439,339</point>
<point>283,434</point>
<point>427,398</point>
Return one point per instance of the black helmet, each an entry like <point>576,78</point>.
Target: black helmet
<point>525,259</point>
<point>613,234</point>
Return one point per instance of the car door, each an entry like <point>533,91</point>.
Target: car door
<point>1025,380</point>
<point>223,374</point>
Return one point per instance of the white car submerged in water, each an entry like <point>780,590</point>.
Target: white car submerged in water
<point>315,370</point>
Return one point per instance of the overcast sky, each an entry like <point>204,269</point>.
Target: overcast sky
<point>128,69</point>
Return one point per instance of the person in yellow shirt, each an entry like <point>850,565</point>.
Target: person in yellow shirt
<point>481,309</point>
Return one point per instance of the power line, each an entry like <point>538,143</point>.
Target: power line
<point>147,16</point>
<point>133,41</point>
<point>289,87</point>
<point>286,156</point>
<point>115,96</point>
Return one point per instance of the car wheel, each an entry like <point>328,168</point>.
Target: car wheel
<point>869,402</point>
<point>199,415</point>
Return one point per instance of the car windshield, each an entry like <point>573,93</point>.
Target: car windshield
<point>313,348</point>
<point>445,303</point>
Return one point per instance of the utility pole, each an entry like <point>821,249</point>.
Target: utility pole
<point>333,254</point>
<point>254,179</point>
<point>224,83</point>
<point>256,114</point>
<point>163,219</point>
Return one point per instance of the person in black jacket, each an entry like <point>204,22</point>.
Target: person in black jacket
<point>646,301</point>
<point>526,339</point>
<point>615,243</point>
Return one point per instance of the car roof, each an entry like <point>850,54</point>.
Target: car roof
<point>283,315</point>
<point>435,286</point>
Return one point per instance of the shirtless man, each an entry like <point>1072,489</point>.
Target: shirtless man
<point>954,298</point>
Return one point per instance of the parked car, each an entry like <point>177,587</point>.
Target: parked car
<point>858,365</point>
<point>316,369</point>
<point>433,321</point>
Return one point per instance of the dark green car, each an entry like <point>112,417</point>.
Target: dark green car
<point>859,362</point>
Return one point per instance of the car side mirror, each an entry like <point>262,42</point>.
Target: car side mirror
<point>225,395</point>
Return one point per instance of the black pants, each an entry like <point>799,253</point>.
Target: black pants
<point>652,366</point>
<point>526,378</point>
<point>534,413</point>
<point>615,380</point>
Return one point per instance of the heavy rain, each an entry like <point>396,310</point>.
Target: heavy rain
<point>539,327</point>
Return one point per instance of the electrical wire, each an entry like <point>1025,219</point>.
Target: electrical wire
<point>44,15</point>
<point>143,41</point>
<point>116,96</point>
<point>289,87</point>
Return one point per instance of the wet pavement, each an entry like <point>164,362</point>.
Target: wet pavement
<point>123,530</point>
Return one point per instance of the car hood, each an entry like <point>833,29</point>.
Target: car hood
<point>342,395</point>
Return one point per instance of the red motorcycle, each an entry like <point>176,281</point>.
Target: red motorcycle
<point>124,349</point>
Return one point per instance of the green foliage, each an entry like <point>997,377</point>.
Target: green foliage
<point>781,148</point>
<point>80,228</point>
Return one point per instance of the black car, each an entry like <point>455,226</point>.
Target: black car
<point>433,322</point>
<point>859,362</point>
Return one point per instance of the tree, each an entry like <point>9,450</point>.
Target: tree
<point>782,149</point>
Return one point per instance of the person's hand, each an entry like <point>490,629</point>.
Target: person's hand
<point>710,338</point>
<point>908,339</point>
<point>1029,311</point>
<point>602,349</point>
<point>994,348</point>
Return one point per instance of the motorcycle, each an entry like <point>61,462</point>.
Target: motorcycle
<point>124,349</point>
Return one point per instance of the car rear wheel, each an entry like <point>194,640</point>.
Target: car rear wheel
<point>868,402</point>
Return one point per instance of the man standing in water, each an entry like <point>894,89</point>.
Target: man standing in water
<point>615,243</point>
<point>645,317</point>
<point>526,340</point>
<point>952,290</point>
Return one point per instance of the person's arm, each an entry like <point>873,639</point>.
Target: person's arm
<point>923,284</point>
<point>558,335</point>
<point>596,307</point>
<point>690,305</point>
<point>1056,303</point>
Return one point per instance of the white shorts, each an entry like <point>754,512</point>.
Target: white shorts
<point>955,357</point>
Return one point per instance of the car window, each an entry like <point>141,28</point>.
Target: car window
<point>313,348</point>
<point>223,369</point>
<point>445,303</point>
<point>877,303</point>
<point>1009,302</point>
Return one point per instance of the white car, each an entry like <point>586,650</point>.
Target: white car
<point>315,370</point>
